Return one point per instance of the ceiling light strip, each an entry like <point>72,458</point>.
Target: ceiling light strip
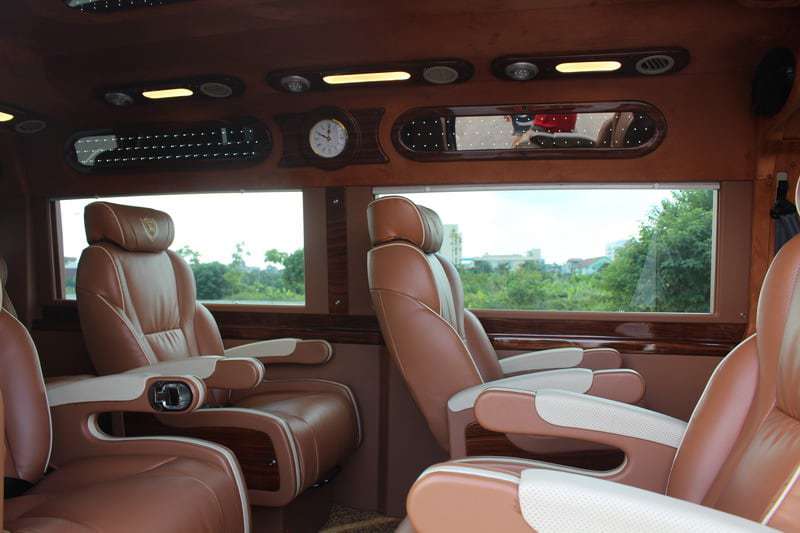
<point>160,94</point>
<point>366,77</point>
<point>578,67</point>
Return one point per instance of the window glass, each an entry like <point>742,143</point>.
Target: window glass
<point>602,249</point>
<point>242,247</point>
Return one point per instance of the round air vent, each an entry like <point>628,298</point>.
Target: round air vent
<point>30,126</point>
<point>522,71</point>
<point>215,89</point>
<point>440,75</point>
<point>119,99</point>
<point>773,81</point>
<point>295,84</point>
<point>655,64</point>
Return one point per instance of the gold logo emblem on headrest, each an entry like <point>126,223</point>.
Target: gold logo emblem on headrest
<point>150,228</point>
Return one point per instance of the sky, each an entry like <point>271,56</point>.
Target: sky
<point>562,223</point>
<point>211,224</point>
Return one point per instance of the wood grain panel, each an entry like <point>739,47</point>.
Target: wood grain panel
<point>482,442</point>
<point>689,338</point>
<point>336,215</point>
<point>253,449</point>
<point>364,148</point>
<point>512,333</point>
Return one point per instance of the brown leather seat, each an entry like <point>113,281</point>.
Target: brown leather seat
<point>739,453</point>
<point>160,485</point>
<point>137,303</point>
<point>6,303</point>
<point>441,348</point>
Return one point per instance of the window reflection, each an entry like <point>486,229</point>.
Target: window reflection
<point>447,132</point>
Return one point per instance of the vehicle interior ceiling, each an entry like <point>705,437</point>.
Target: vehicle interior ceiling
<point>62,62</point>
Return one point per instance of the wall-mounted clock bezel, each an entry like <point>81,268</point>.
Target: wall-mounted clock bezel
<point>353,137</point>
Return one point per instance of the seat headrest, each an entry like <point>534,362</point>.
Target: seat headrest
<point>135,229</point>
<point>395,218</point>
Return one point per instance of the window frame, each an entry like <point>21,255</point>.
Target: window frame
<point>726,305</point>
<point>313,245</point>
<point>544,153</point>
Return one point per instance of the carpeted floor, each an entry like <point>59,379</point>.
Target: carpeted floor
<point>346,520</point>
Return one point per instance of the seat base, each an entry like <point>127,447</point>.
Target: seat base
<point>125,494</point>
<point>286,435</point>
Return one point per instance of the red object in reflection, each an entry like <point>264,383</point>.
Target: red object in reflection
<point>556,122</point>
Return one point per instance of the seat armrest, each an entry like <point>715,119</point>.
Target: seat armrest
<point>555,358</point>
<point>238,373</point>
<point>75,408</point>
<point>648,439</point>
<point>128,392</point>
<point>285,351</point>
<point>558,358</point>
<point>622,385</point>
<point>574,379</point>
<point>561,501</point>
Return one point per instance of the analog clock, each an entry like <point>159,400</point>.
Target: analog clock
<point>328,138</point>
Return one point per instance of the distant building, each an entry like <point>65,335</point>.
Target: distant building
<point>451,243</point>
<point>585,266</point>
<point>612,247</point>
<point>512,261</point>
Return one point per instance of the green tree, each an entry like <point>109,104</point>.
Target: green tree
<point>189,255</point>
<point>294,271</point>
<point>211,281</point>
<point>275,256</point>
<point>668,266</point>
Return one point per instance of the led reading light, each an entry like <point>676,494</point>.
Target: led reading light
<point>366,77</point>
<point>167,93</point>
<point>6,117</point>
<point>588,66</point>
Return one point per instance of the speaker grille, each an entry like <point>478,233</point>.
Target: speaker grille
<point>30,126</point>
<point>655,64</point>
<point>440,74</point>
<point>215,89</point>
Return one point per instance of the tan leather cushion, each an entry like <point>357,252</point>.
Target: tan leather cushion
<point>129,494</point>
<point>135,229</point>
<point>394,218</point>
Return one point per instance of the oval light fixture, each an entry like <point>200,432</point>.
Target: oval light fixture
<point>30,126</point>
<point>579,67</point>
<point>521,71</point>
<point>160,94</point>
<point>215,89</point>
<point>6,117</point>
<point>366,77</point>
<point>440,75</point>
<point>295,84</point>
<point>118,98</point>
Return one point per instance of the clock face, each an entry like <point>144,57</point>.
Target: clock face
<point>328,138</point>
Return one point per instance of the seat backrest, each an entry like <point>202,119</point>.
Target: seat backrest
<point>439,347</point>
<point>136,298</point>
<point>741,451</point>
<point>27,415</point>
<point>5,301</point>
